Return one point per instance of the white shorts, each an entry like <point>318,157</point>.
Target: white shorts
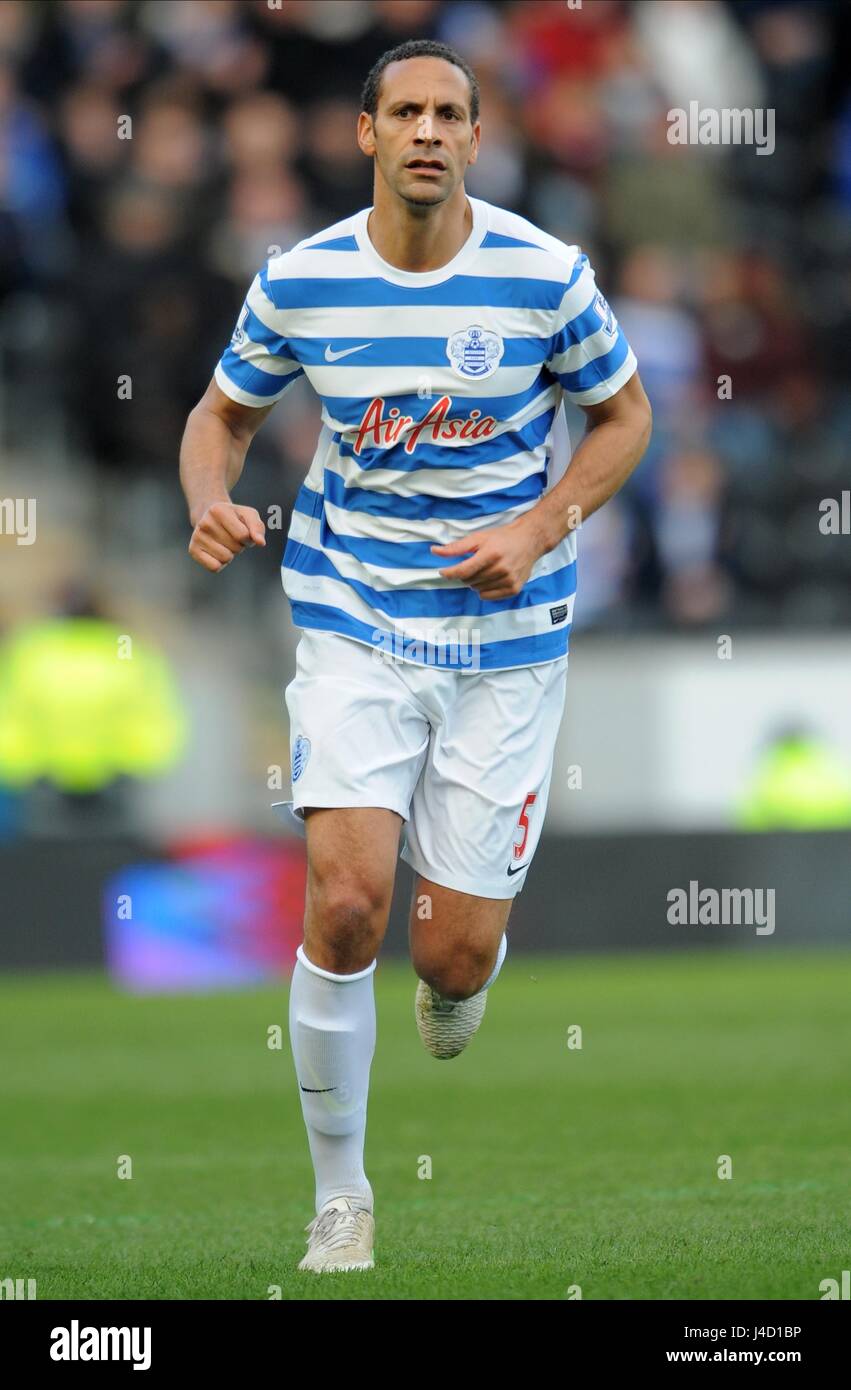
<point>464,758</point>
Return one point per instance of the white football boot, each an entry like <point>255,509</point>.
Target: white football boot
<point>447,1025</point>
<point>340,1237</point>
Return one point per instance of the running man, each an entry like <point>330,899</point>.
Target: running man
<point>431,563</point>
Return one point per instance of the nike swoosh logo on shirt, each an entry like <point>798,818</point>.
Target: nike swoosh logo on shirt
<point>335,356</point>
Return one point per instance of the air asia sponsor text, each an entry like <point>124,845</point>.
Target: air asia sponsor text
<point>378,432</point>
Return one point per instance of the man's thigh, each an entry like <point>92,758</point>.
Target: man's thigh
<point>351,870</point>
<point>358,742</point>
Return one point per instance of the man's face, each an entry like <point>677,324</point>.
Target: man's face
<point>421,134</point>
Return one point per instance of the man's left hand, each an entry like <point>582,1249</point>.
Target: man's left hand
<point>502,558</point>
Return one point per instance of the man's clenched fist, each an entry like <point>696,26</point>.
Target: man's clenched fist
<point>222,532</point>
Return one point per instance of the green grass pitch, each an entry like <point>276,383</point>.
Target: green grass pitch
<point>551,1167</point>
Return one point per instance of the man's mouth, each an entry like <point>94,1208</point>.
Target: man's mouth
<point>435,166</point>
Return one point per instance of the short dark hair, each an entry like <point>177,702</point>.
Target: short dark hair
<point>417,48</point>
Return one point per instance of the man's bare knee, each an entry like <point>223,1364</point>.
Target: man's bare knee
<point>345,922</point>
<point>457,974</point>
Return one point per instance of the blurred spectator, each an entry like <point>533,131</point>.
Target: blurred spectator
<point>698,53</point>
<point>800,783</point>
<point>209,39</point>
<point>84,706</point>
<point>688,536</point>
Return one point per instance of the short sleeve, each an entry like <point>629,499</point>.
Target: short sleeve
<point>257,367</point>
<point>589,353</point>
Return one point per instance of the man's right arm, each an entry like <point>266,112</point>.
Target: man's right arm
<point>212,454</point>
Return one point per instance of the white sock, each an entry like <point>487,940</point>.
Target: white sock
<point>500,957</point>
<point>332,1032</point>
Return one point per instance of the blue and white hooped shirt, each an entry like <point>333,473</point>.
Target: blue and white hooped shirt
<point>440,392</point>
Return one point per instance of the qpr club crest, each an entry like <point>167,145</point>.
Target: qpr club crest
<point>474,352</point>
<point>301,753</point>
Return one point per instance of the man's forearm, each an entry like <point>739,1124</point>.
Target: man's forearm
<point>608,454</point>
<point>211,460</point>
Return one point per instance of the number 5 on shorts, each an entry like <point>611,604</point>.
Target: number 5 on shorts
<point>523,823</point>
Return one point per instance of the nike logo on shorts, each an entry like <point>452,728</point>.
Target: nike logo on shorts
<point>518,870</point>
<point>331,356</point>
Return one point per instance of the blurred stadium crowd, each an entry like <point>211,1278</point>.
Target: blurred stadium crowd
<point>126,248</point>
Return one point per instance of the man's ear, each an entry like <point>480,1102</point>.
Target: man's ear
<point>366,133</point>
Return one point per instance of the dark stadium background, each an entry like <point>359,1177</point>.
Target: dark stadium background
<point>708,727</point>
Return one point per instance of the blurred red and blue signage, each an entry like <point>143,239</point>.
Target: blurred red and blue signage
<point>218,913</point>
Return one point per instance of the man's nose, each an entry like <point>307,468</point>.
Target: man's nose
<point>426,131</point>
